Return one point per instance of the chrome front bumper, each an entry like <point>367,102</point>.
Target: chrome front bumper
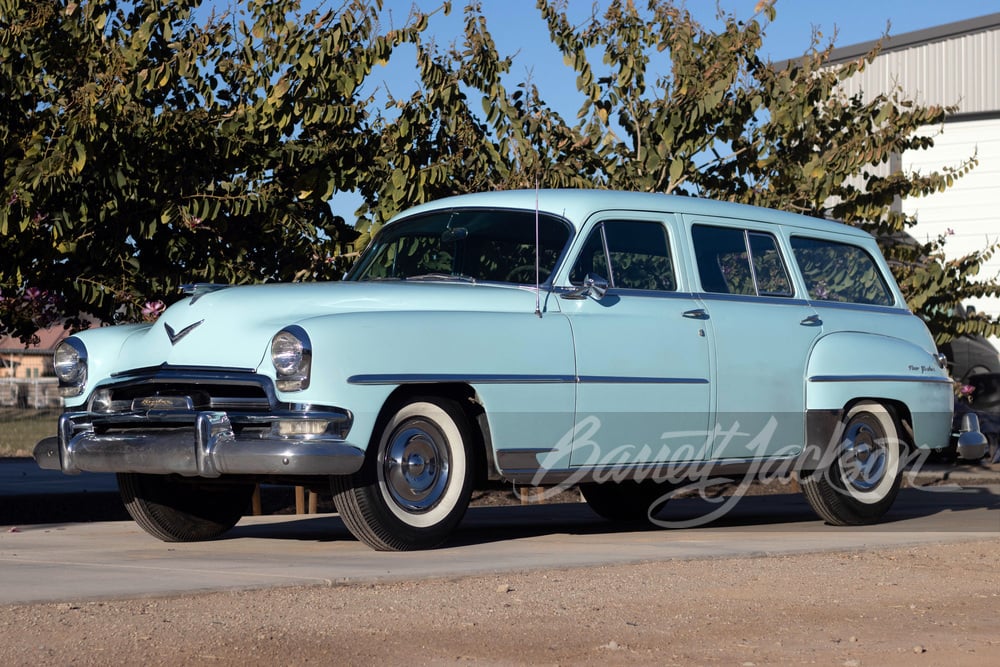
<point>200,444</point>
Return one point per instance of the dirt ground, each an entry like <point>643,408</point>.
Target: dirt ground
<point>926,605</point>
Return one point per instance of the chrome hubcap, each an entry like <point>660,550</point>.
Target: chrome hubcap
<point>863,457</point>
<point>416,466</point>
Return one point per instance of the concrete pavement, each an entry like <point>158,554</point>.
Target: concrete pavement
<point>115,559</point>
<point>23,477</point>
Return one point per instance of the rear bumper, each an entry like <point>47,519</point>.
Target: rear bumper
<point>201,444</point>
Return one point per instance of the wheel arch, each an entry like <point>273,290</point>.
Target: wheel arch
<point>823,428</point>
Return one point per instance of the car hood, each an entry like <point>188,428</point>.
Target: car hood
<point>232,327</point>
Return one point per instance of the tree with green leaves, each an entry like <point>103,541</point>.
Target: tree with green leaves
<point>146,144</point>
<point>692,111</point>
<point>143,147</point>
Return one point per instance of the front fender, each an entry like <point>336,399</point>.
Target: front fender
<point>522,367</point>
<point>104,348</point>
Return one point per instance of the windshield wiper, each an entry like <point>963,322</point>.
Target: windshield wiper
<point>443,276</point>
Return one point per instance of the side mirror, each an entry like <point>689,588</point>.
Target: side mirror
<point>593,285</point>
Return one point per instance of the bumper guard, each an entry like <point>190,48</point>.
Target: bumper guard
<point>199,444</point>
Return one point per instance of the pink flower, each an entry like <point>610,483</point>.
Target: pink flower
<point>32,294</point>
<point>152,309</point>
<point>966,390</point>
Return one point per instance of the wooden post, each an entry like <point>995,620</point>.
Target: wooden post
<point>255,507</point>
<point>300,500</point>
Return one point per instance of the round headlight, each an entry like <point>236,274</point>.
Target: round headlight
<point>291,356</point>
<point>287,353</point>
<point>70,362</point>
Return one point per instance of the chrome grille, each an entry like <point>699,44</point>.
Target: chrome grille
<point>222,392</point>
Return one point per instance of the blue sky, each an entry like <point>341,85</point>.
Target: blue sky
<point>517,27</point>
<point>518,30</point>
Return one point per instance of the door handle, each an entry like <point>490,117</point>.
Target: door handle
<point>811,321</point>
<point>696,314</point>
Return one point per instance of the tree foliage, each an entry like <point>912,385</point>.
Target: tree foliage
<point>147,144</point>
<point>707,116</point>
<point>142,148</point>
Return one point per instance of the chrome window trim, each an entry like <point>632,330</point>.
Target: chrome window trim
<point>351,275</point>
<point>747,233</point>
<point>879,270</point>
<point>626,291</point>
<point>752,298</point>
<point>867,307</point>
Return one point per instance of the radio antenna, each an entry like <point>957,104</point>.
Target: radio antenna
<point>538,271</point>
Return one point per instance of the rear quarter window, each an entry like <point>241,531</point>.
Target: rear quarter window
<point>840,272</point>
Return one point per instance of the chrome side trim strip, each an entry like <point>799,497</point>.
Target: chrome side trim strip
<point>663,471</point>
<point>426,378</point>
<point>610,379</point>
<point>879,378</point>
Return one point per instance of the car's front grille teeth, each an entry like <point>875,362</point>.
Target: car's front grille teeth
<point>235,397</point>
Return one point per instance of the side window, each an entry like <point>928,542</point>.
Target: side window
<point>840,272</point>
<point>735,261</point>
<point>630,254</point>
<point>768,267</point>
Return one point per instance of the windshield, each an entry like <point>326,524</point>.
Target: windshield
<point>472,245</point>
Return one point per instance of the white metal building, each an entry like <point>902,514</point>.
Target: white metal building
<point>954,64</point>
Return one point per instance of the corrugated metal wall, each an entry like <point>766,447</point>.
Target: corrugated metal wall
<point>962,70</point>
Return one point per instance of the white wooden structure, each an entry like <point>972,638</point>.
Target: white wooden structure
<point>953,64</point>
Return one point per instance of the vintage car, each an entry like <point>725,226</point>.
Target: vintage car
<point>624,343</point>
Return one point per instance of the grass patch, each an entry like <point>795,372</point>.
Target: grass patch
<point>21,429</point>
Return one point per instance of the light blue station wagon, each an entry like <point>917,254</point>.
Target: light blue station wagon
<point>626,343</point>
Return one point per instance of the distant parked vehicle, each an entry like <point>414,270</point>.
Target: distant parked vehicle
<point>970,355</point>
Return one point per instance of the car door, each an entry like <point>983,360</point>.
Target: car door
<point>643,384</point>
<point>761,332</point>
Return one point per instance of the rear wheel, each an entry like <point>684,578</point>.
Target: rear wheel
<point>416,482</point>
<point>176,509</point>
<point>626,501</point>
<point>861,484</point>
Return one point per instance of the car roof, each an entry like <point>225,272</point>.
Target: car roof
<point>578,205</point>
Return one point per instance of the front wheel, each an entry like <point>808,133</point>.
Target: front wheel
<point>183,510</point>
<point>416,481</point>
<point>861,484</point>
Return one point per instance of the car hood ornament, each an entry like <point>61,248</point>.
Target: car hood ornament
<point>175,336</point>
